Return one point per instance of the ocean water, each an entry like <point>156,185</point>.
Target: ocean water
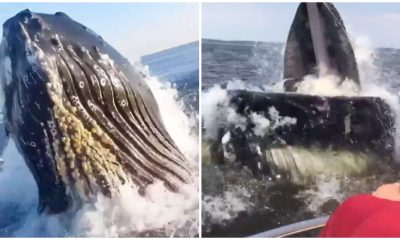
<point>234,202</point>
<point>157,213</point>
<point>179,66</point>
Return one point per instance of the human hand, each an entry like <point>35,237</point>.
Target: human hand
<point>390,191</point>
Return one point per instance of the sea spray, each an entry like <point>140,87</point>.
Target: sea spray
<point>221,209</point>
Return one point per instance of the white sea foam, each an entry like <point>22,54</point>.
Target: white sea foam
<point>327,86</point>
<point>262,124</point>
<point>325,189</point>
<point>220,209</point>
<point>213,102</point>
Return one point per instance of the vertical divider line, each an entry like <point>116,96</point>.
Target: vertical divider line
<point>200,117</point>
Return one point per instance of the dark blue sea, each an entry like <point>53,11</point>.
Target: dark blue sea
<point>180,66</point>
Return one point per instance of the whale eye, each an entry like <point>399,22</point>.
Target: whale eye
<point>33,144</point>
<point>81,84</point>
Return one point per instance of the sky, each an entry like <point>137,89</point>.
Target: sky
<point>377,22</point>
<point>135,29</point>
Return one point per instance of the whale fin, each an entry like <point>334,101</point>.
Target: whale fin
<point>318,44</point>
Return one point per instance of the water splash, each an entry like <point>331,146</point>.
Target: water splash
<point>327,86</point>
<point>221,209</point>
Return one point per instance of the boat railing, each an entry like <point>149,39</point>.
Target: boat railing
<point>294,228</point>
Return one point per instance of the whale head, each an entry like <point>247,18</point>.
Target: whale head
<point>83,118</point>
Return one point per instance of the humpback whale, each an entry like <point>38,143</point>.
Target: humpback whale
<point>304,127</point>
<point>83,118</point>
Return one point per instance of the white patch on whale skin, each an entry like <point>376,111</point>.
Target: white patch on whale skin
<point>103,82</point>
<point>33,53</point>
<point>111,71</point>
<point>7,70</point>
<point>38,60</point>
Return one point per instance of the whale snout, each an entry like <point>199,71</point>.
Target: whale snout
<point>21,28</point>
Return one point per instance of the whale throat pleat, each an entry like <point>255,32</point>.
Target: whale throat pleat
<point>112,140</point>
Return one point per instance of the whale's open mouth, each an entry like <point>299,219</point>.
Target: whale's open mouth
<point>83,118</point>
<point>283,134</point>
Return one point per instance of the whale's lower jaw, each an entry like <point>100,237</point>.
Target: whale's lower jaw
<point>284,133</point>
<point>301,165</point>
<point>82,117</point>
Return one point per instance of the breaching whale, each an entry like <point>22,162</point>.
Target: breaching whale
<point>83,118</point>
<point>303,127</point>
